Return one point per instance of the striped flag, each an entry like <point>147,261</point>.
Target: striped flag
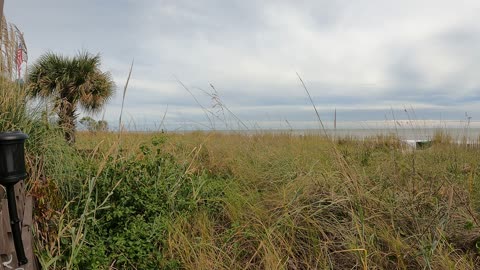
<point>19,58</point>
<point>21,55</point>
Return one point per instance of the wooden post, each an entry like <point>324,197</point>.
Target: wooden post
<point>1,12</point>
<point>8,258</point>
<point>1,18</point>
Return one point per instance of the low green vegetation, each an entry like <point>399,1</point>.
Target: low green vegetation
<point>303,202</point>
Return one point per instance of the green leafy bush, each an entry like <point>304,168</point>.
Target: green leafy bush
<point>153,191</point>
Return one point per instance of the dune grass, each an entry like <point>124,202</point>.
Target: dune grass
<point>301,202</point>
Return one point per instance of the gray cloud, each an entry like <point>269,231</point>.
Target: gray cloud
<point>362,57</point>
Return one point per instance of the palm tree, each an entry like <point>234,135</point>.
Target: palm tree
<point>70,83</point>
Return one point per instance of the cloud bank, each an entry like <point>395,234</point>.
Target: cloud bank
<point>365,58</point>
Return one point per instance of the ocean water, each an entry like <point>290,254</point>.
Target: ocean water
<point>457,134</point>
<point>470,134</point>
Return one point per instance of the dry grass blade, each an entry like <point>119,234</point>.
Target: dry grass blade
<point>226,108</point>
<point>205,110</point>
<point>162,123</point>
<point>313,104</point>
<point>123,100</point>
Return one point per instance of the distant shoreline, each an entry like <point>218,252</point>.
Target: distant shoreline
<point>403,133</point>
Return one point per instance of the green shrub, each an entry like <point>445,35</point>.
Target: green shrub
<point>153,191</point>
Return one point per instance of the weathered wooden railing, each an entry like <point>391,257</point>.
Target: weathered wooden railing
<point>8,257</point>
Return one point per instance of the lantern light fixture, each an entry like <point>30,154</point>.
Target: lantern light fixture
<point>12,171</point>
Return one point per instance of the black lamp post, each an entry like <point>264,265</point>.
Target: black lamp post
<point>12,170</point>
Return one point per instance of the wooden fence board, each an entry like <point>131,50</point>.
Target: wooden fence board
<point>8,258</point>
<point>6,230</point>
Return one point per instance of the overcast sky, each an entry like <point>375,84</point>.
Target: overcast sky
<point>361,57</point>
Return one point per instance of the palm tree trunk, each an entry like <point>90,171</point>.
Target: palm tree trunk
<point>66,120</point>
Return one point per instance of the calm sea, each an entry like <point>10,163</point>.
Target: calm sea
<point>471,134</point>
<point>408,133</point>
